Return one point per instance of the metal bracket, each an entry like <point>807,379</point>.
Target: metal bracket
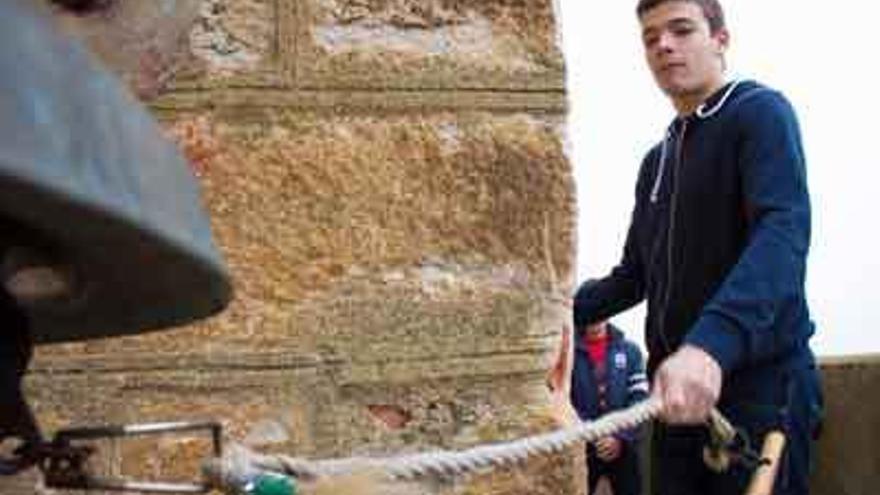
<point>63,461</point>
<point>729,445</point>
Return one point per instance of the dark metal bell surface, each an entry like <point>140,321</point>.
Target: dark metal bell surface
<point>93,198</point>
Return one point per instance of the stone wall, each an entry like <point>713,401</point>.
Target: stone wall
<point>388,184</point>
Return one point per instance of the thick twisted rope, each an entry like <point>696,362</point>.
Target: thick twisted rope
<point>444,464</point>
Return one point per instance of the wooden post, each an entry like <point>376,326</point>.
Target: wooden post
<point>765,475</point>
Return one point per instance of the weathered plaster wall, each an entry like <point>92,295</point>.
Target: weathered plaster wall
<point>848,460</point>
<point>387,181</point>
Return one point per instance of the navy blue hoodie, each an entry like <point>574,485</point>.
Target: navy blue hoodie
<point>719,235</point>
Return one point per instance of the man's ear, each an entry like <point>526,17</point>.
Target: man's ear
<point>722,40</point>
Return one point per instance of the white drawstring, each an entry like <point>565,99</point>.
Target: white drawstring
<point>660,168</point>
<point>701,110</point>
<point>701,113</point>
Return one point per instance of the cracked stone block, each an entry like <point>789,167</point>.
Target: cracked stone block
<point>157,45</point>
<point>233,35</point>
<point>428,44</point>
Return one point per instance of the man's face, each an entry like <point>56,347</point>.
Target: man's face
<point>685,58</point>
<point>597,329</point>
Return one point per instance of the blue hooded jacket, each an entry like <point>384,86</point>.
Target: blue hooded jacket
<point>719,235</point>
<point>625,380</point>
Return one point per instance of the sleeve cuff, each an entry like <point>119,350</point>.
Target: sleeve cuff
<point>626,437</point>
<point>720,338</point>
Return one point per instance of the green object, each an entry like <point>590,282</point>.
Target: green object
<point>272,484</point>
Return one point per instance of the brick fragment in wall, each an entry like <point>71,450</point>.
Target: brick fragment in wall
<point>457,414</point>
<point>428,44</point>
<point>446,413</point>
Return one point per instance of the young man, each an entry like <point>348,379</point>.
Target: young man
<point>608,374</point>
<point>718,245</point>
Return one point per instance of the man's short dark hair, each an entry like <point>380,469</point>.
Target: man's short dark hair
<point>711,10</point>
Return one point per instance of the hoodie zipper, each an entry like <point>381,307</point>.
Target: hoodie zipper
<point>670,230</point>
<point>701,113</point>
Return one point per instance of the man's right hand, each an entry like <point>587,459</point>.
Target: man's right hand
<point>688,383</point>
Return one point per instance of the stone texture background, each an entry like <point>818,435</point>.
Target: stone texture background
<point>388,183</point>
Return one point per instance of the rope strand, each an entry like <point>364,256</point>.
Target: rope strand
<point>445,464</point>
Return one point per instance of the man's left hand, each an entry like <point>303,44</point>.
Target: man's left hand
<point>689,383</point>
<point>608,448</point>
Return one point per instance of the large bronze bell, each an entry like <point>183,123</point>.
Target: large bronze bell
<point>101,228</point>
